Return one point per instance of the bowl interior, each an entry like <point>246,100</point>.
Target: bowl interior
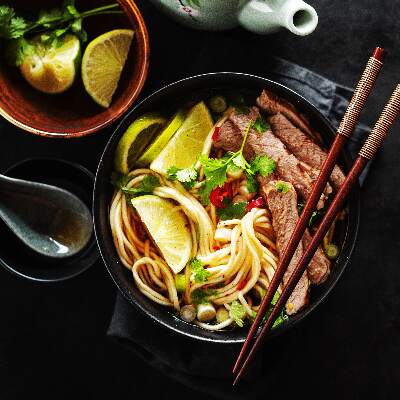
<point>192,89</point>
<point>74,113</point>
<point>23,261</point>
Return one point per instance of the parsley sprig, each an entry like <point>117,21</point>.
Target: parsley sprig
<point>51,24</point>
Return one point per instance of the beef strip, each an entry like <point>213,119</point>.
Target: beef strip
<point>301,145</point>
<point>288,167</point>
<point>283,207</point>
<point>319,267</point>
<point>272,104</point>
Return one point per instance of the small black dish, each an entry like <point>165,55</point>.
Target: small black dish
<point>22,261</point>
<point>167,99</point>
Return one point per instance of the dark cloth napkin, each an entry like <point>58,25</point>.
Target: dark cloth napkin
<point>205,366</point>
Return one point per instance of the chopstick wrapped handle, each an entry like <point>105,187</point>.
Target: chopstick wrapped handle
<point>381,128</point>
<point>361,94</point>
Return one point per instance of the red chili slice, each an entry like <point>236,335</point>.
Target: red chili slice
<point>241,284</point>
<point>215,134</point>
<point>258,202</point>
<point>216,248</point>
<point>218,195</point>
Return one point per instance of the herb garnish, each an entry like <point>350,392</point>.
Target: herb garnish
<point>201,295</point>
<point>215,168</point>
<point>51,24</point>
<point>232,210</point>
<point>252,184</point>
<point>237,312</point>
<point>264,165</point>
<point>199,273</point>
<point>282,187</point>
<point>261,125</point>
<point>146,186</point>
<point>187,176</point>
<point>282,316</point>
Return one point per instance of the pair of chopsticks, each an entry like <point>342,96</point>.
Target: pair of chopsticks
<point>367,152</point>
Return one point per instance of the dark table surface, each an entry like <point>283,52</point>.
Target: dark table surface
<point>52,337</point>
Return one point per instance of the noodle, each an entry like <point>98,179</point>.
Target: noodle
<point>244,259</point>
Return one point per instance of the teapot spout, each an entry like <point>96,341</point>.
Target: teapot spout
<point>267,16</point>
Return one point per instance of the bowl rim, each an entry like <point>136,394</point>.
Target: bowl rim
<point>348,242</point>
<point>135,17</point>
<point>71,164</point>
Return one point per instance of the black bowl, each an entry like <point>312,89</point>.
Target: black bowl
<point>168,99</point>
<point>24,262</point>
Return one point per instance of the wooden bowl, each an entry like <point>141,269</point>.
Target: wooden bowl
<point>74,113</point>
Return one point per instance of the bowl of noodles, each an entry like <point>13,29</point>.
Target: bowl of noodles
<point>197,193</point>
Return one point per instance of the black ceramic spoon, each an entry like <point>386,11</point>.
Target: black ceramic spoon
<point>48,219</point>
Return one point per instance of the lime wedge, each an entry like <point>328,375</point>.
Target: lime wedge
<point>162,139</point>
<point>52,69</point>
<point>187,144</point>
<point>103,62</point>
<point>135,139</point>
<point>168,228</point>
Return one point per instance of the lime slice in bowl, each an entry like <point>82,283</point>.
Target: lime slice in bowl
<point>103,62</point>
<point>186,145</point>
<point>167,226</point>
<point>135,140</point>
<point>162,139</point>
<point>52,69</point>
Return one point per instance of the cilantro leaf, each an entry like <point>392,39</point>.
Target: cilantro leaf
<point>215,168</point>
<point>252,184</point>
<point>282,316</point>
<point>215,173</point>
<point>201,295</point>
<point>187,176</point>
<point>11,26</point>
<point>51,25</point>
<point>146,186</point>
<point>282,187</point>
<point>261,125</point>
<point>119,180</point>
<point>200,274</point>
<point>263,165</point>
<point>239,161</point>
<point>237,312</point>
<point>232,211</point>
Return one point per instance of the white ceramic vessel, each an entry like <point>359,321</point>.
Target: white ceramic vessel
<point>260,16</point>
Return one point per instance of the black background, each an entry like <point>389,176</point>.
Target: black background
<point>52,337</point>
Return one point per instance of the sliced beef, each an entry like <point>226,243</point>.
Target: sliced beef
<point>229,137</point>
<point>301,145</point>
<point>289,168</point>
<point>319,267</point>
<point>283,207</point>
<point>272,104</point>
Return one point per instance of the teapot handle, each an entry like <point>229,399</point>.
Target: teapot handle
<point>267,16</point>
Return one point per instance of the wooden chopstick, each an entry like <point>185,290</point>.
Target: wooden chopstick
<point>345,130</point>
<point>367,152</point>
